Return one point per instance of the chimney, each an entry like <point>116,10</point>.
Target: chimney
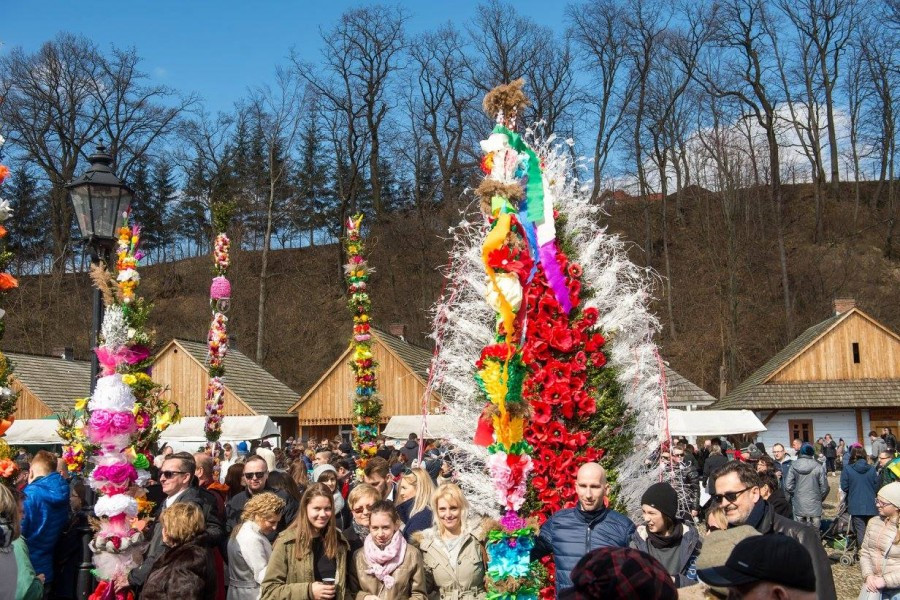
<point>842,305</point>
<point>398,330</point>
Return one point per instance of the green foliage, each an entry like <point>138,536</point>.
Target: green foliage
<point>612,425</point>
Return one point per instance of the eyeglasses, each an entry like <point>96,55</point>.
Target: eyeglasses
<point>257,475</point>
<point>363,509</point>
<point>730,496</point>
<point>679,454</point>
<point>170,474</point>
<point>880,502</point>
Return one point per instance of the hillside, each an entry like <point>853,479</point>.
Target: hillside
<point>307,322</point>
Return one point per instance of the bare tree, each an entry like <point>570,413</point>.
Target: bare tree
<point>553,86</point>
<point>510,45</point>
<point>739,66</point>
<point>277,111</point>
<point>63,98</point>
<point>447,104</point>
<point>600,31</point>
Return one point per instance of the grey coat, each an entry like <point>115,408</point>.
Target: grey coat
<point>461,580</point>
<point>808,486</point>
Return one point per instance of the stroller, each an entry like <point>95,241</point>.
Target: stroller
<point>838,536</point>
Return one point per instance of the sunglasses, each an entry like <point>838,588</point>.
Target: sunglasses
<point>730,496</point>
<point>257,475</point>
<point>363,509</point>
<point>170,474</point>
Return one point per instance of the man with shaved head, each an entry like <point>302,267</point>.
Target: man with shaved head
<point>573,532</point>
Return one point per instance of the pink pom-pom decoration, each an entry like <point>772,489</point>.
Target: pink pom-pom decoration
<point>220,288</point>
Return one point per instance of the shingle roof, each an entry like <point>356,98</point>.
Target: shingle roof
<point>255,386</point>
<point>418,358</point>
<point>862,393</point>
<point>755,394</point>
<point>683,391</point>
<point>56,382</point>
<point>782,358</point>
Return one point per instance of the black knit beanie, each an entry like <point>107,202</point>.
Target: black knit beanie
<point>663,498</point>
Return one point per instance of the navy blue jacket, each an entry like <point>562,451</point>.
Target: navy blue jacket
<point>571,533</point>
<point>860,481</point>
<point>46,515</point>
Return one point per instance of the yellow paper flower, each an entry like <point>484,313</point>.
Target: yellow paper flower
<point>81,403</point>
<point>129,379</point>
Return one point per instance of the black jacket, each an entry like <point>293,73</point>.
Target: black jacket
<point>235,507</point>
<point>775,524</point>
<point>780,503</point>
<point>184,572</point>
<point>689,549</point>
<point>713,462</point>
<point>215,531</point>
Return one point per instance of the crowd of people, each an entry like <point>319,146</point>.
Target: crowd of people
<point>297,522</point>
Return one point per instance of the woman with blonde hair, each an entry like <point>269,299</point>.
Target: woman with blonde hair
<point>15,566</point>
<point>309,559</point>
<point>414,493</point>
<point>453,550</point>
<point>361,499</point>
<point>879,556</point>
<point>249,549</point>
<point>186,568</point>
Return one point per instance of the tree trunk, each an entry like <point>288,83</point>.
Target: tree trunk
<point>263,276</point>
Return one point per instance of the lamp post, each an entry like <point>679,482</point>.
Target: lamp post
<point>99,200</point>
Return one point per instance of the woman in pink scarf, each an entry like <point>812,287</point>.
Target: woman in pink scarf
<point>386,567</point>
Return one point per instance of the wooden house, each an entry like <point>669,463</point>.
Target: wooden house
<point>326,409</point>
<point>840,376</point>
<point>48,385</point>
<point>249,389</point>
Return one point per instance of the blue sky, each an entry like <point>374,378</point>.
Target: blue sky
<point>217,48</point>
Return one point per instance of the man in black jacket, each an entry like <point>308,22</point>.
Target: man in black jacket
<point>176,476</point>
<point>737,491</point>
<point>256,474</point>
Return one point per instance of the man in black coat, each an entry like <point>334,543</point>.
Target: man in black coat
<point>176,476</point>
<point>256,474</point>
<point>737,491</point>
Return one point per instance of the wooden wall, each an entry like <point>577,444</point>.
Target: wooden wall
<point>28,406</point>
<point>331,402</point>
<point>187,380</point>
<point>831,358</point>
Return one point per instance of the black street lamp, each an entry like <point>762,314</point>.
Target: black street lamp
<point>100,201</point>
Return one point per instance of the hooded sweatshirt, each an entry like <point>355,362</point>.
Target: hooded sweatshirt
<point>46,514</point>
<point>807,485</point>
<point>410,451</point>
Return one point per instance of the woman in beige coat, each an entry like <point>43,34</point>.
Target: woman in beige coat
<point>879,556</point>
<point>453,549</point>
<point>386,567</point>
<point>309,560</point>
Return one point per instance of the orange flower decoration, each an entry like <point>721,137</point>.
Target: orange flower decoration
<point>4,172</point>
<point>8,468</point>
<point>7,282</point>
<point>2,231</point>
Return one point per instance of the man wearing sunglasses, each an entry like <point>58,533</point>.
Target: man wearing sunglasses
<point>256,480</point>
<point>737,492</point>
<point>178,484</point>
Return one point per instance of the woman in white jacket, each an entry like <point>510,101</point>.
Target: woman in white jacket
<point>248,548</point>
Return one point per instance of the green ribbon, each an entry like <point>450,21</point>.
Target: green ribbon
<point>498,535</point>
<point>534,189</point>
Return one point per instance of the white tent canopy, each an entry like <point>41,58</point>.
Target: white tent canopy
<point>190,429</point>
<point>33,432</point>
<point>713,422</point>
<point>400,426</point>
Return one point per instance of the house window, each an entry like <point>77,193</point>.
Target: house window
<point>800,429</point>
<point>855,353</point>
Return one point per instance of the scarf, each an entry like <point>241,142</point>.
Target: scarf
<point>362,532</point>
<point>384,562</point>
<point>660,542</point>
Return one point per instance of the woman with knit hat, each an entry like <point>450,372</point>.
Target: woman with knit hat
<point>671,541</point>
<point>879,556</point>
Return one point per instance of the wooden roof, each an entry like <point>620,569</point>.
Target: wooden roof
<point>54,381</point>
<point>252,384</point>
<point>414,360</point>
<point>682,391</point>
<point>775,386</point>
